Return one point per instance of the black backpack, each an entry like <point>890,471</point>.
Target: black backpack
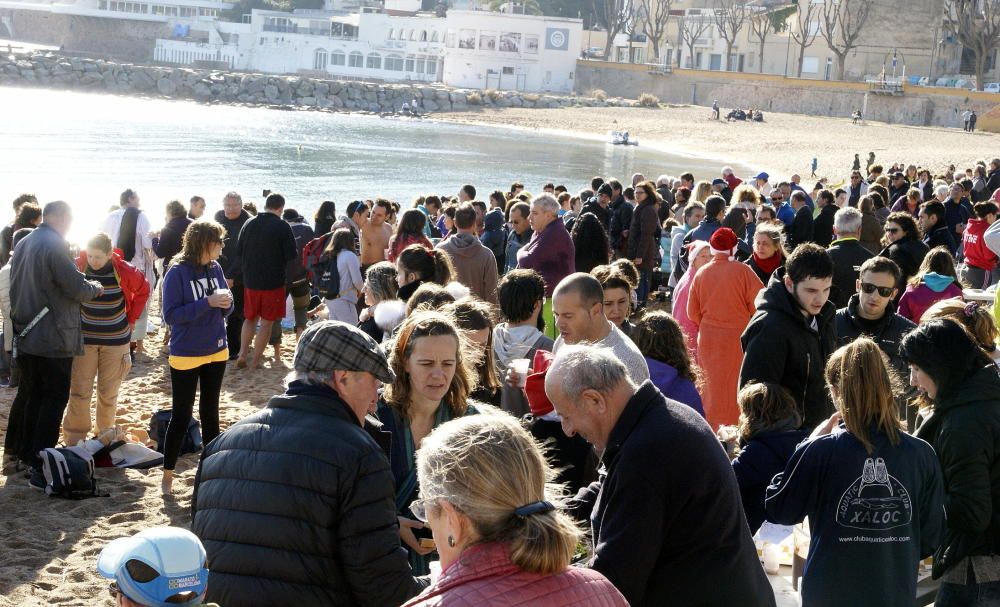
<point>158,432</point>
<point>329,279</point>
<point>68,472</point>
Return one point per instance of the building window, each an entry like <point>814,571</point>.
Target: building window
<point>449,40</point>
<point>510,42</point>
<point>409,64</point>
<point>187,11</point>
<point>423,35</point>
<point>391,32</point>
<point>394,63</point>
<point>435,37</point>
<point>357,59</point>
<point>487,41</point>
<point>374,61</point>
<point>319,59</point>
<point>413,35</point>
<point>337,58</point>
<point>531,45</point>
<point>432,66</point>
<point>421,63</point>
<point>508,71</point>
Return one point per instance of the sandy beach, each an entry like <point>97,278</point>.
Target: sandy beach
<point>50,545</point>
<point>782,145</point>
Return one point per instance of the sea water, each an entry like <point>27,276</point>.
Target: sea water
<point>86,148</point>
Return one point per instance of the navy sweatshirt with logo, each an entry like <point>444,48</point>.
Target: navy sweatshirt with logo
<point>196,329</point>
<point>872,516</point>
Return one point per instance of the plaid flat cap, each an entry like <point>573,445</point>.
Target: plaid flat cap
<point>332,345</point>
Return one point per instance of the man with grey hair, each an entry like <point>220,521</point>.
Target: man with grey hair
<point>847,254</point>
<point>578,308</point>
<point>664,533</point>
<point>550,252</point>
<point>317,499</point>
<point>232,217</point>
<point>46,291</point>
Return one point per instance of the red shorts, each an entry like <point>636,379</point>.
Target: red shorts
<point>268,305</point>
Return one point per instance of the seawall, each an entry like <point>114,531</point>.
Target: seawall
<point>54,70</point>
<point>918,106</point>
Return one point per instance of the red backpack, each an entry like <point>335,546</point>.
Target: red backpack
<point>312,255</point>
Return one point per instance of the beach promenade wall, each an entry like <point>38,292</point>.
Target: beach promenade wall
<point>54,70</point>
<point>918,106</point>
<point>119,39</point>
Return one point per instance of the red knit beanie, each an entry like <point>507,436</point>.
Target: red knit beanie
<point>534,387</point>
<point>724,240</point>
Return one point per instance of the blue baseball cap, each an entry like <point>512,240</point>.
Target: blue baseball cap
<point>176,557</point>
<point>762,175</point>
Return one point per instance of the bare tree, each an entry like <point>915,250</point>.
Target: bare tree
<point>692,28</point>
<point>842,23</point>
<point>653,17</point>
<point>613,15</point>
<point>730,17</point>
<point>760,28</point>
<point>805,34</point>
<point>976,24</point>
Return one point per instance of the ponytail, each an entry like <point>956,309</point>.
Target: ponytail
<point>443,270</point>
<point>543,542</point>
<point>429,264</point>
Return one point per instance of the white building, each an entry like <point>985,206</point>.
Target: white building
<point>470,49</point>
<point>167,11</point>
<point>504,51</point>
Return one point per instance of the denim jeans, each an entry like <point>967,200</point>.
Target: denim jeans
<point>968,595</point>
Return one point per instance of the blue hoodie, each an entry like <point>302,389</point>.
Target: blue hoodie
<point>196,329</point>
<point>672,386</point>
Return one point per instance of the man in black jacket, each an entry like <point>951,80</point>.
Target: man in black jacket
<point>847,255</point>
<point>871,312</point>
<point>295,504</point>
<point>897,188</point>
<point>934,227</point>
<point>665,533</point>
<point>801,229</point>
<point>232,217</point>
<point>265,247</point>
<point>993,178</point>
<point>791,336</point>
<point>823,224</point>
<point>598,205</point>
<point>621,219</point>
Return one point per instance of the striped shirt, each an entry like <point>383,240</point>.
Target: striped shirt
<point>103,319</point>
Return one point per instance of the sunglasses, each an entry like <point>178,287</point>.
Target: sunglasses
<point>869,288</point>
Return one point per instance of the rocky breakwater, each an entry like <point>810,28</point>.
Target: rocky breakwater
<point>286,92</point>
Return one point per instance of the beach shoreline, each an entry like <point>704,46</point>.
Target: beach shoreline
<point>783,145</point>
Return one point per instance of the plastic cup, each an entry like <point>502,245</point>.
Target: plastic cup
<point>772,559</point>
<point>520,366</point>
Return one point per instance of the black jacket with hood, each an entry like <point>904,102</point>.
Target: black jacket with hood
<point>964,429</point>
<point>780,346</point>
<point>908,253</point>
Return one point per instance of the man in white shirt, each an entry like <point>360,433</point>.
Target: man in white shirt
<point>137,250</point>
<point>578,308</point>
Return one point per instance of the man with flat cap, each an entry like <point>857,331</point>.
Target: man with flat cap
<point>295,504</point>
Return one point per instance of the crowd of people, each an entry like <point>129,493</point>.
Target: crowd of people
<point>590,398</point>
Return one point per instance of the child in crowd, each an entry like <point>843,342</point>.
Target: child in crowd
<point>768,433</point>
<point>936,280</point>
<point>662,343</point>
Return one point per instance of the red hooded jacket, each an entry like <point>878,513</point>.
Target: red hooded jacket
<point>135,289</point>
<point>976,252</point>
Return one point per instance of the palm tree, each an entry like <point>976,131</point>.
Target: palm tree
<point>521,7</point>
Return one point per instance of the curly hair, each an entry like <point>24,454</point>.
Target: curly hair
<point>659,336</point>
<point>429,323</point>
<point>198,238</point>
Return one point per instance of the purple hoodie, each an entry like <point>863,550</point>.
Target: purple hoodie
<point>673,387</point>
<point>196,329</point>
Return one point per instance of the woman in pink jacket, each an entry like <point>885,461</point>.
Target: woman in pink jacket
<point>484,494</point>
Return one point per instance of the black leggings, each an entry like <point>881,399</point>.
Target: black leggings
<point>183,385</point>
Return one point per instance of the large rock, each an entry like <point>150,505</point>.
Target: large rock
<point>271,92</point>
<point>202,91</point>
<point>166,86</point>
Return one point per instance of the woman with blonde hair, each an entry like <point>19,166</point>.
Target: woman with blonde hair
<point>434,364</point>
<point>872,492</point>
<point>746,196</point>
<point>486,494</point>
<point>976,319</point>
<point>702,190</point>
